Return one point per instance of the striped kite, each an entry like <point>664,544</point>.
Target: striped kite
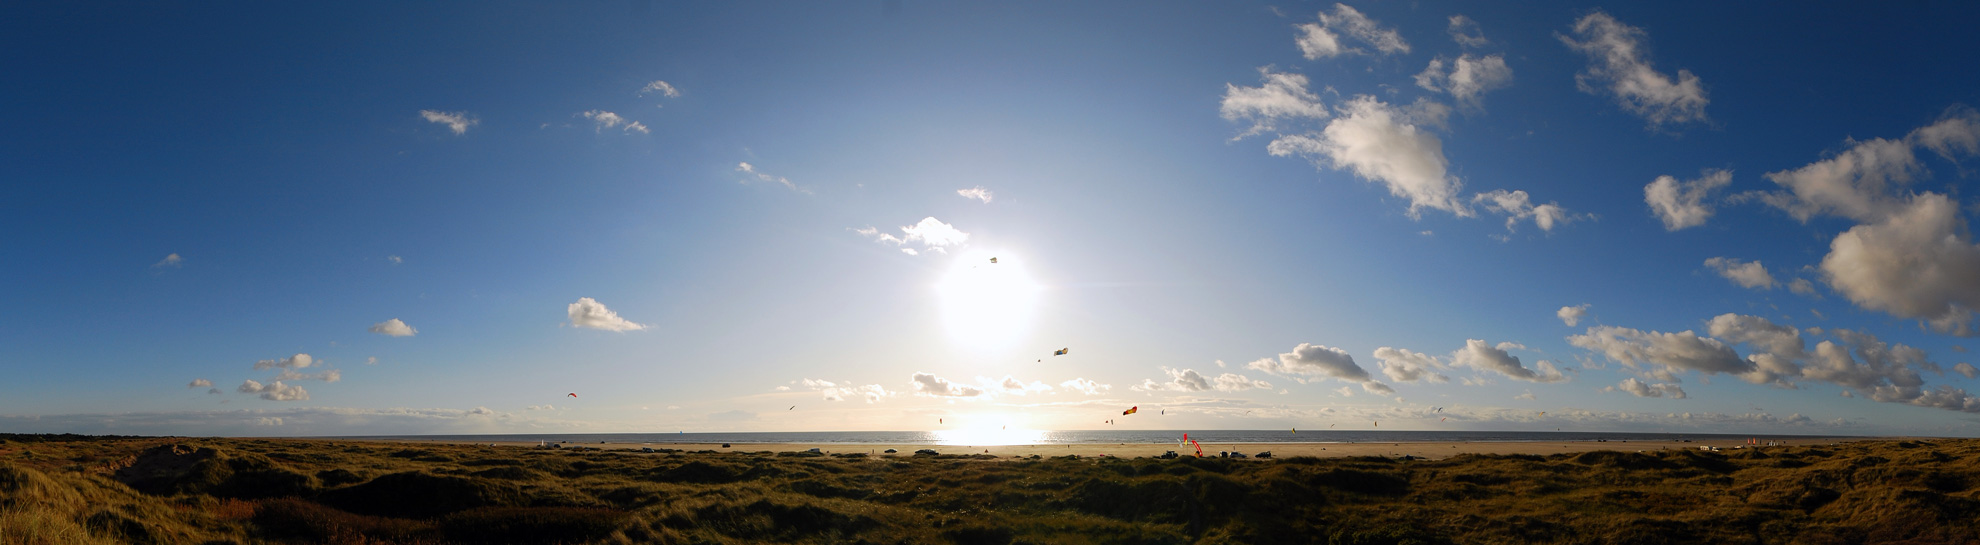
<point>1131,410</point>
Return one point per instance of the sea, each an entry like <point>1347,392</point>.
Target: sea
<point>1072,437</point>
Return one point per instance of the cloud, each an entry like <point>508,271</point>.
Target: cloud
<point>214,391</point>
<point>275,391</point>
<point>297,361</point>
<point>587,312</point>
<point>1011,385</point>
<point>200,383</point>
<point>170,261</point>
<point>1862,182</point>
<point>910,251</point>
<point>1283,97</point>
<point>1181,380</point>
<point>1467,78</point>
<point>750,169</point>
<point>1478,354</point>
<point>1312,360</point>
<point>455,121</point>
<point>1572,315</point>
<point>978,193</point>
<point>1232,382</point>
<point>1751,275</point>
<point>1380,143</point>
<point>1642,389</point>
<point>607,120</point>
<point>1528,396</point>
<point>268,421</point>
<point>1377,388</point>
<point>481,411</point>
<point>1516,206</point>
<point>1619,64</point>
<point>831,391</point>
<point>1085,386</point>
<point>543,407</point>
<point>930,385</point>
<point>1466,33</point>
<point>394,328</point>
<point>395,259</point>
<point>1801,286</point>
<point>373,360</point>
<point>1919,263</point>
<point>877,236</point>
<point>1405,366</point>
<point>1966,369</point>
<point>330,375</point>
<point>1674,351</point>
<point>1322,40</point>
<point>665,89</point>
<point>933,233</point>
<point>1683,204</point>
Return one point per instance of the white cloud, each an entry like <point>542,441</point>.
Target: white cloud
<point>1085,386</point>
<point>750,169</point>
<point>330,375</point>
<point>637,126</point>
<point>782,388</point>
<point>1517,206</point>
<point>1467,78</point>
<point>275,391</point>
<point>1380,143</point>
<point>173,261</point>
<point>1466,33</point>
<point>1801,286</point>
<point>1312,360</point>
<point>933,233</point>
<point>1619,64</point>
<point>587,312</point>
<point>1322,40</point>
<point>910,251</point>
<point>455,121</point>
<point>1528,396</point>
<point>1181,380</point>
<point>930,385</point>
<point>394,328</point>
<point>543,407</point>
<point>1683,204</point>
<point>1674,351</point>
<point>481,411</point>
<point>297,361</point>
<point>607,120</point>
<point>1572,315</point>
<point>978,193</point>
<point>1748,274</point>
<point>1967,370</point>
<point>1643,389</point>
<point>1232,382</point>
<point>268,421</point>
<point>200,383</point>
<point>1378,388</point>
<point>1919,263</point>
<point>1478,354</point>
<point>1405,366</point>
<point>665,89</point>
<point>1860,183</point>
<point>372,360</point>
<point>1282,97</point>
<point>395,259</point>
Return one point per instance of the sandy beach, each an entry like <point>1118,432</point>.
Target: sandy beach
<point>1431,450</point>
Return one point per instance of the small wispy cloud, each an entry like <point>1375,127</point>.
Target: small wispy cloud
<point>588,312</point>
<point>665,89</point>
<point>455,121</point>
<point>172,261</point>
<point>751,170</point>
<point>200,383</point>
<point>978,193</point>
<point>607,120</point>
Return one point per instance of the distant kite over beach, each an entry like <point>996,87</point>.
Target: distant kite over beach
<point>573,394</point>
<point>1061,352</point>
<point>1131,410</point>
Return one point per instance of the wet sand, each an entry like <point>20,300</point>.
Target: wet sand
<point>1433,450</point>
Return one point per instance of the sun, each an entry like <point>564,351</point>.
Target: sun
<point>986,304</point>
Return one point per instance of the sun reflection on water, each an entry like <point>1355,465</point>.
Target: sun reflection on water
<point>989,438</point>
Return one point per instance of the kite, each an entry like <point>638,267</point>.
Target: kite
<point>1165,411</point>
<point>993,260</point>
<point>1131,410</point>
<point>1192,442</point>
<point>1061,352</point>
<point>1443,419</point>
<point>573,394</point>
<point>1378,423</point>
<point>793,408</point>
<point>938,421</point>
<point>1440,409</point>
<point>1295,430</point>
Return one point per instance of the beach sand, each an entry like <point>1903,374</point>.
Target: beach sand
<point>1431,450</point>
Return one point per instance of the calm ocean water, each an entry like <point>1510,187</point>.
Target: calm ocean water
<point>1078,437</point>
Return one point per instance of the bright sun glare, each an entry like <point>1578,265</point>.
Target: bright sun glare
<point>987,304</point>
<point>988,430</point>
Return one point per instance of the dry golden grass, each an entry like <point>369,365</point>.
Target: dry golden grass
<point>198,491</point>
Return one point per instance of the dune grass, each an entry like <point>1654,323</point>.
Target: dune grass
<point>201,491</point>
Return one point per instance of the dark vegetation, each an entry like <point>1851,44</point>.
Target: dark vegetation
<point>209,491</point>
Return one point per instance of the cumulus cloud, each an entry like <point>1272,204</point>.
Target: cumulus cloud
<point>1466,33</point>
<point>394,328</point>
<point>1919,263</point>
<point>1517,206</point>
<point>1381,143</point>
<point>871,393</point>
<point>1312,360</point>
<point>1619,64</point>
<point>1483,356</point>
<point>481,411</point>
<point>1801,286</point>
<point>330,375</point>
<point>1966,369</point>
<point>1182,380</point>
<point>1675,351</point>
<point>1281,98</point>
<point>1748,274</point>
<point>665,89</point>
<point>200,383</point>
<point>1572,315</point>
<point>1862,183</point>
<point>1405,366</point>
<point>761,176</point>
<point>455,121</point>
<point>607,120</point>
<point>171,261</point>
<point>297,361</point>
<point>1085,386</point>
<point>978,193</point>
<point>1323,39</point>
<point>934,234</point>
<point>588,312</point>
<point>275,391</point>
<point>1643,389</point>
<point>1682,204</point>
<point>930,385</point>
<point>1467,77</point>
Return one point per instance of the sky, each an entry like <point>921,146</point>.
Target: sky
<point>372,218</point>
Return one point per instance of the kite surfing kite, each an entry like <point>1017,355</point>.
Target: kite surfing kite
<point>1061,352</point>
<point>1131,410</point>
<point>573,394</point>
<point>993,260</point>
<point>793,408</point>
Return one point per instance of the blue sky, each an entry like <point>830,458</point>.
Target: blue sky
<point>1234,215</point>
